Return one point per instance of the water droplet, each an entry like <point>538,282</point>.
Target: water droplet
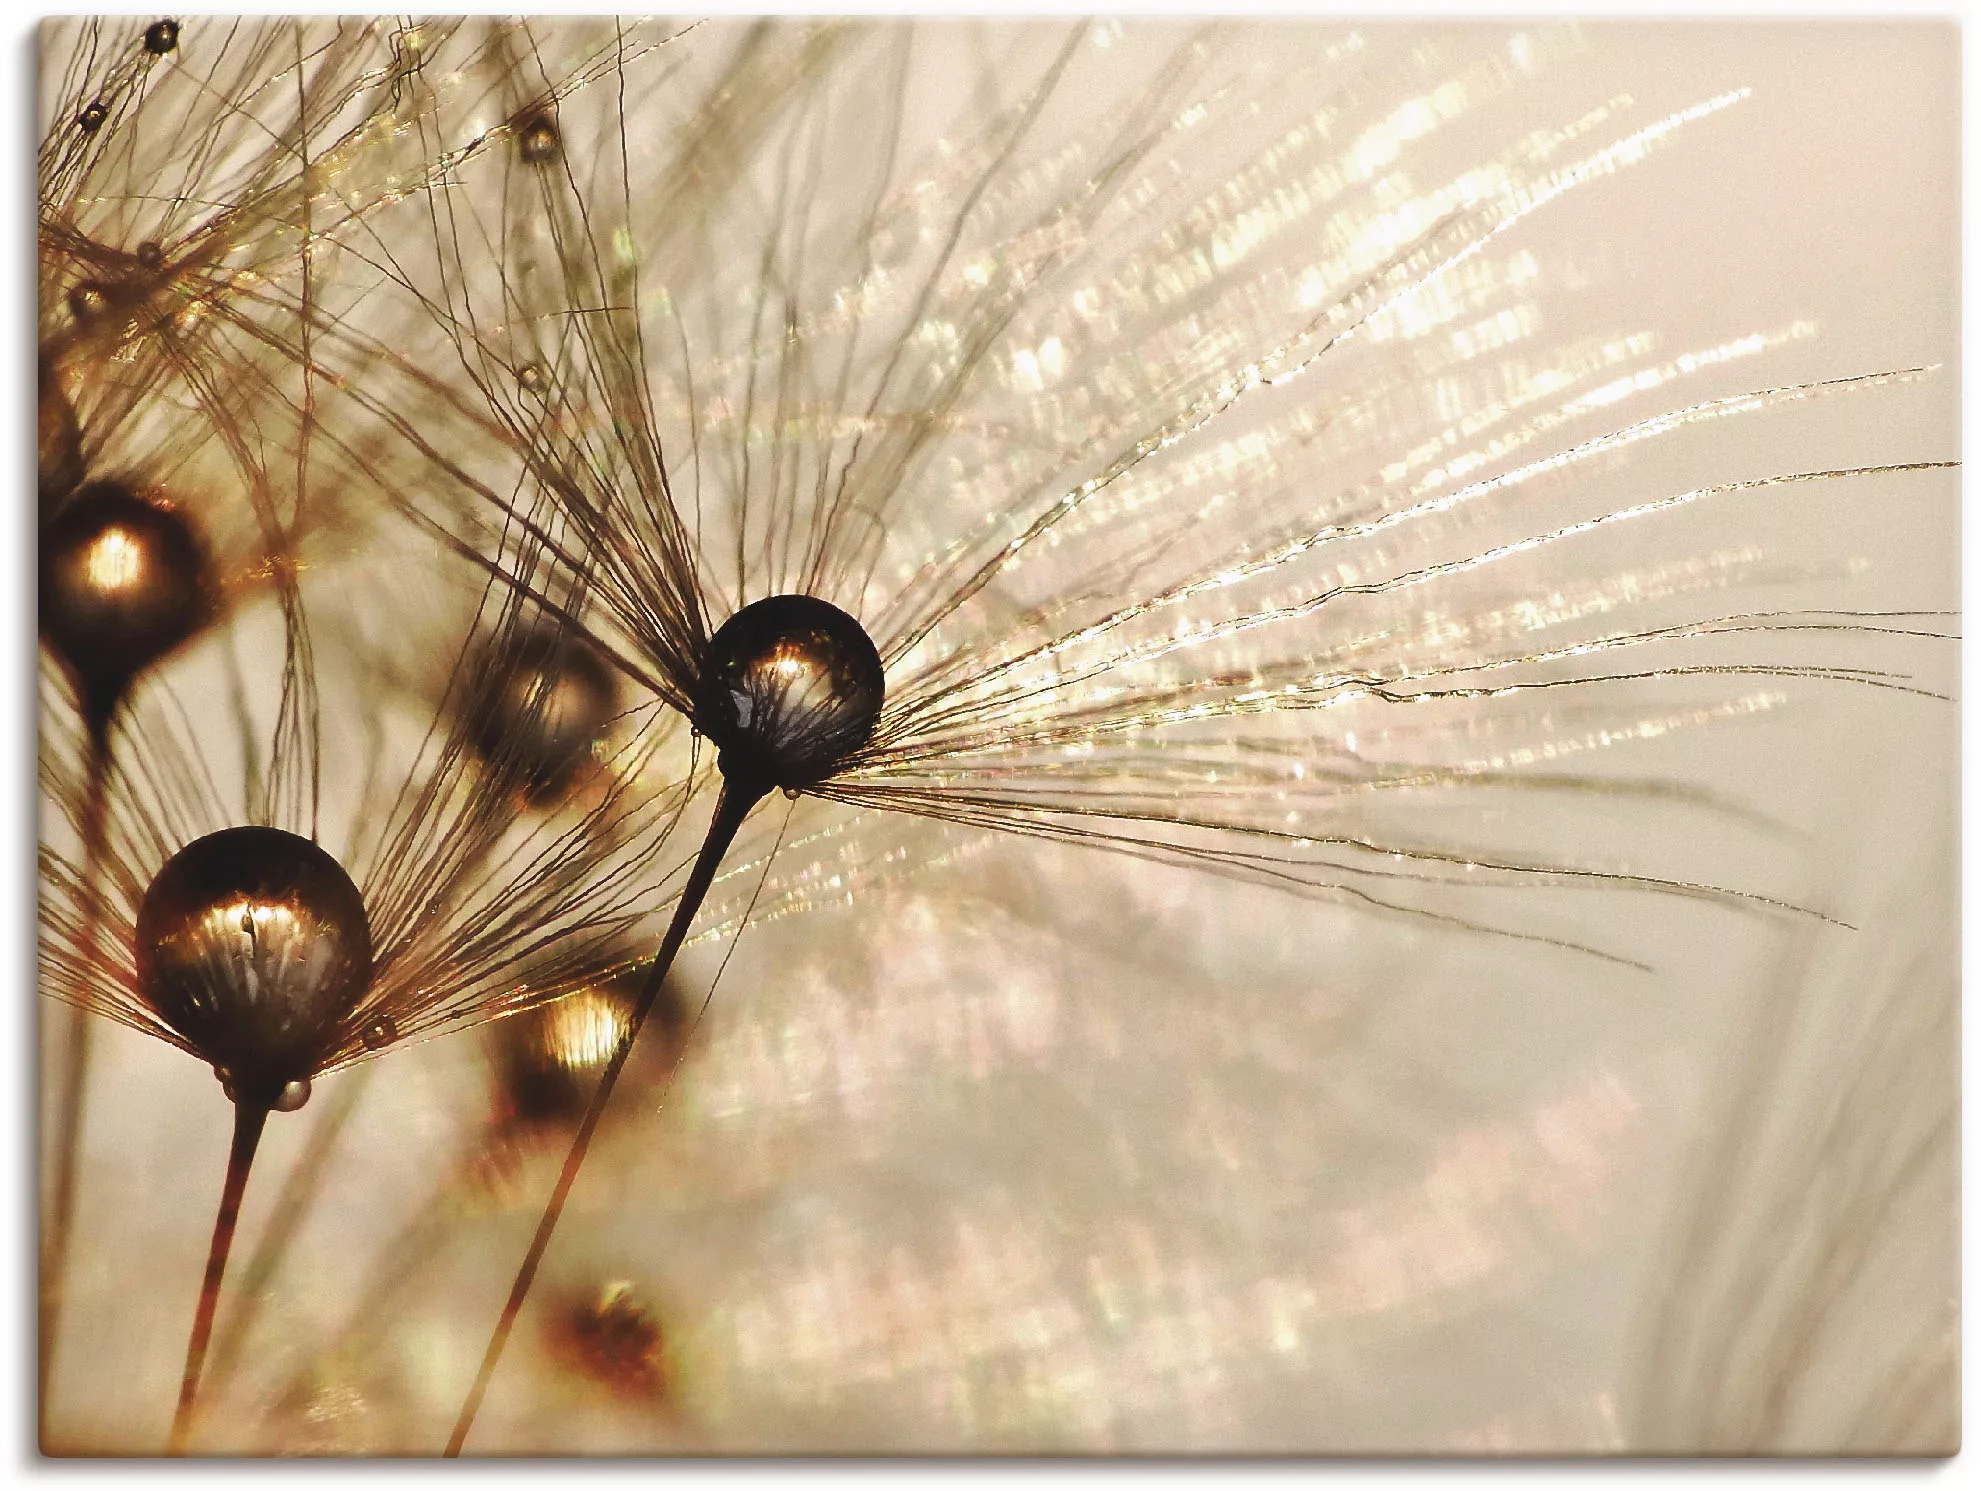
<point>88,301</point>
<point>91,119</point>
<point>791,686</point>
<point>379,1032</point>
<point>615,1338</point>
<point>537,140</point>
<point>265,1010</point>
<point>541,701</point>
<point>161,37</point>
<point>123,581</point>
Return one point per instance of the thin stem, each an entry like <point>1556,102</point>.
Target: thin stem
<point>292,1208</point>
<point>731,808</point>
<point>298,1196</point>
<point>75,1067</point>
<point>248,1121</point>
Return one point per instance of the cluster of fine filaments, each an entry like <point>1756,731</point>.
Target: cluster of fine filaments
<point>524,502</point>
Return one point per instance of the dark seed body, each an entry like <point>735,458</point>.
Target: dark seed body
<point>547,1061</point>
<point>539,703</point>
<point>88,302</point>
<point>537,140</point>
<point>123,582</point>
<point>252,943</point>
<point>791,687</point>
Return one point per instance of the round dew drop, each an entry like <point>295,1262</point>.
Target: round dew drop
<point>253,945</point>
<point>537,140</point>
<point>123,582</point>
<point>539,703</point>
<point>790,688</point>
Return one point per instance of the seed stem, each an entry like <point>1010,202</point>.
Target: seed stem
<point>76,1063</point>
<point>248,1121</point>
<point>731,808</point>
<point>292,1208</point>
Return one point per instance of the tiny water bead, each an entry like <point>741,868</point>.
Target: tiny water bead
<point>151,254</point>
<point>537,141</point>
<point>123,582</point>
<point>90,120</point>
<point>161,37</point>
<point>253,945</point>
<point>539,703</point>
<point>291,1097</point>
<point>378,1032</point>
<point>791,686</point>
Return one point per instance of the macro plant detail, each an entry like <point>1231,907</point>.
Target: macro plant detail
<point>627,424</point>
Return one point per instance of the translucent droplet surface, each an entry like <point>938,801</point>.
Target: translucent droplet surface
<point>123,582</point>
<point>161,37</point>
<point>547,1061</point>
<point>88,302</point>
<point>791,687</point>
<point>539,702</point>
<point>614,1338</point>
<point>537,140</point>
<point>252,943</point>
